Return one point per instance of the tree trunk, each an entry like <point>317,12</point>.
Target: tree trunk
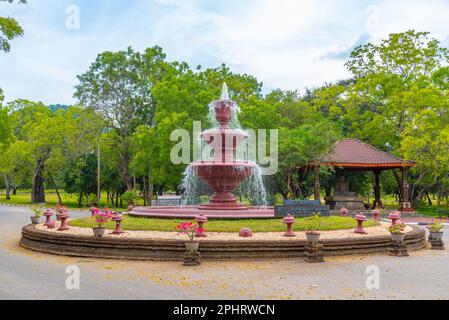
<point>428,199</point>
<point>124,172</point>
<point>56,188</point>
<point>7,194</point>
<point>289,185</point>
<point>150,185</point>
<point>13,186</point>
<point>144,192</point>
<point>38,191</point>
<point>80,199</point>
<point>399,182</point>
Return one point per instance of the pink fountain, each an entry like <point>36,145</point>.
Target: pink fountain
<point>223,167</point>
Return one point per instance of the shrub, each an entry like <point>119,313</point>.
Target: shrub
<point>397,229</point>
<point>436,226</point>
<point>129,196</point>
<point>313,223</point>
<point>38,211</point>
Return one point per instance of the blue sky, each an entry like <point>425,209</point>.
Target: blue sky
<point>287,44</point>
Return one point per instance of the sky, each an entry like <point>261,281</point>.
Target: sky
<point>286,44</point>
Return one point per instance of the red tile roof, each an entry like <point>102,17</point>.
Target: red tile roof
<point>356,153</point>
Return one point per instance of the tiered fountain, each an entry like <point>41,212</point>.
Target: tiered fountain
<point>224,165</point>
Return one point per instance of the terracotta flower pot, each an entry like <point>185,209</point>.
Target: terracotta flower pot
<point>35,220</point>
<point>313,237</point>
<point>397,237</point>
<point>99,232</point>
<point>192,246</point>
<point>436,235</point>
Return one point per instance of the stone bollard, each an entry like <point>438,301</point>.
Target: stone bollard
<point>436,240</point>
<point>398,248</point>
<point>117,218</point>
<point>395,217</point>
<point>313,251</point>
<point>289,220</point>
<point>191,259</point>
<point>360,218</point>
<point>376,214</point>
<point>201,220</point>
<point>48,213</point>
<point>63,216</point>
<point>344,212</point>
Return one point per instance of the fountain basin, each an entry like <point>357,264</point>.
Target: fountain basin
<point>223,179</point>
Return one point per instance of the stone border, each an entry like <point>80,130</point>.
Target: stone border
<point>172,250</point>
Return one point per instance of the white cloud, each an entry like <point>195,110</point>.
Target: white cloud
<point>281,42</point>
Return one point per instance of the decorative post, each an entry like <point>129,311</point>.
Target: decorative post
<point>48,213</point>
<point>376,214</point>
<point>395,216</point>
<point>289,221</point>
<point>344,212</point>
<point>117,218</point>
<point>360,218</point>
<point>317,181</point>
<point>63,216</point>
<point>405,204</point>
<point>201,219</point>
<point>377,200</point>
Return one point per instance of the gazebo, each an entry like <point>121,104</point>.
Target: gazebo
<point>356,155</point>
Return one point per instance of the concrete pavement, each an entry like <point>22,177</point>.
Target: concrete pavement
<point>30,275</point>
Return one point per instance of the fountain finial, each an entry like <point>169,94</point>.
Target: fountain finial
<point>224,92</point>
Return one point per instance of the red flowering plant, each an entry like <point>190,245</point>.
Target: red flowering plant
<point>101,216</point>
<point>189,229</point>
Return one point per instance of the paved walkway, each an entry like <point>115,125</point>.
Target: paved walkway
<point>29,275</point>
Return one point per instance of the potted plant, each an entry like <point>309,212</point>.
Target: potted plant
<point>101,217</point>
<point>397,232</point>
<point>38,211</point>
<point>435,230</point>
<point>189,229</point>
<point>313,224</point>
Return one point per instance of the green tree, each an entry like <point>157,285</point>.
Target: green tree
<point>9,29</point>
<point>394,82</point>
<point>119,86</point>
<point>6,138</point>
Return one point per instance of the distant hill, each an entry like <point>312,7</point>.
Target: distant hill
<point>55,107</point>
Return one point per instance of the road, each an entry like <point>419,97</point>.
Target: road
<point>29,275</point>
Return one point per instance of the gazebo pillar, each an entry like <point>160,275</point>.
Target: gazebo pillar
<point>405,204</point>
<point>317,181</point>
<point>377,201</point>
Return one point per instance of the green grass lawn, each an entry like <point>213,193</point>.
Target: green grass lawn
<point>270,225</point>
<point>68,200</point>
